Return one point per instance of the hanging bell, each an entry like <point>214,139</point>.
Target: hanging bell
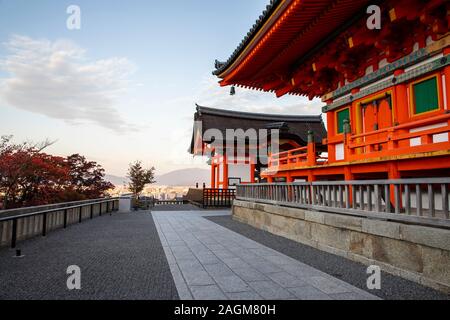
<point>232,91</point>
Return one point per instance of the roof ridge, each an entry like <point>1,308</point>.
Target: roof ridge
<point>222,66</point>
<point>258,116</point>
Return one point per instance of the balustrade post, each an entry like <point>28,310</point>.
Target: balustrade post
<point>14,234</point>
<point>65,218</point>
<point>44,224</point>
<point>392,144</point>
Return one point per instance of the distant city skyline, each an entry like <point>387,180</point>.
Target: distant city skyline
<point>124,86</point>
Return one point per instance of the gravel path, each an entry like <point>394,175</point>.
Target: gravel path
<point>392,287</point>
<point>120,257</point>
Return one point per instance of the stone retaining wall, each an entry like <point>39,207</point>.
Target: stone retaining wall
<point>417,253</point>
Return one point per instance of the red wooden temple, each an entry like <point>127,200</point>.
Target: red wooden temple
<point>386,92</point>
<point>245,165</point>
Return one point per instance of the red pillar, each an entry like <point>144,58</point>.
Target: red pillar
<point>252,172</point>
<point>393,173</point>
<point>311,176</point>
<point>289,178</point>
<point>213,175</point>
<point>349,176</point>
<point>311,155</point>
<point>401,108</point>
<point>331,133</point>
<point>225,171</point>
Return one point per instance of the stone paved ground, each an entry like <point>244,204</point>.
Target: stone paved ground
<point>209,261</point>
<point>392,288</point>
<point>120,257</point>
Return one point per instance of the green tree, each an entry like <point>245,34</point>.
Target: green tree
<point>139,177</point>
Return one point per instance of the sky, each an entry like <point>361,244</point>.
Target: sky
<point>123,87</point>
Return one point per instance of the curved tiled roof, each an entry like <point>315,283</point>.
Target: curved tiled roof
<point>270,8</point>
<point>293,127</point>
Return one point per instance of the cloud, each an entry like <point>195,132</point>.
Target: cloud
<point>56,79</point>
<point>214,96</point>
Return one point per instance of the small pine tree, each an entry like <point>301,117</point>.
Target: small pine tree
<point>139,177</point>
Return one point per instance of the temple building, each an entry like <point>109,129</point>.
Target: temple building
<point>386,91</point>
<point>228,169</point>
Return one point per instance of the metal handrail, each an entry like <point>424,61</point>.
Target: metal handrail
<point>85,203</point>
<point>8,212</point>
<point>64,210</point>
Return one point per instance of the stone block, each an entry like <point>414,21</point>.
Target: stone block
<point>361,244</point>
<point>330,236</point>
<point>431,237</point>
<point>345,222</point>
<point>436,265</point>
<point>398,253</point>
<point>314,216</point>
<point>381,228</point>
<point>301,228</point>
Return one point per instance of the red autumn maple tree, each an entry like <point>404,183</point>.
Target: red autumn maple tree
<point>30,177</point>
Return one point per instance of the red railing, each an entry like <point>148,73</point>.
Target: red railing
<point>295,158</point>
<point>396,141</point>
<point>389,142</point>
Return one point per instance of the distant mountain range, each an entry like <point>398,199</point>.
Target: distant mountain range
<point>116,180</point>
<point>183,177</point>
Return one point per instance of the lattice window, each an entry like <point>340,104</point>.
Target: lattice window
<point>341,116</point>
<point>425,95</point>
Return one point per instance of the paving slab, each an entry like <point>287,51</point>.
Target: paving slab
<point>217,263</point>
<point>313,262</point>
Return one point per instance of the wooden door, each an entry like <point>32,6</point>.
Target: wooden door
<point>377,115</point>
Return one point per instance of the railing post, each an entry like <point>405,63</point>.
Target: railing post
<point>397,195</point>
<point>14,234</point>
<point>348,196</point>
<point>407,200</point>
<point>387,198</point>
<point>445,200</point>
<point>419,211</point>
<point>377,198</point>
<point>354,197</point>
<point>92,211</point>
<point>65,218</point>
<point>44,224</point>
<point>431,206</point>
<point>80,216</point>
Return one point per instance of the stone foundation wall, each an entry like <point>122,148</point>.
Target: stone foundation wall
<point>417,253</point>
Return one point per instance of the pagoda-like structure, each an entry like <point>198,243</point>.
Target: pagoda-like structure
<point>382,72</point>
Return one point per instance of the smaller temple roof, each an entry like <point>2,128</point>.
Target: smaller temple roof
<point>293,127</point>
